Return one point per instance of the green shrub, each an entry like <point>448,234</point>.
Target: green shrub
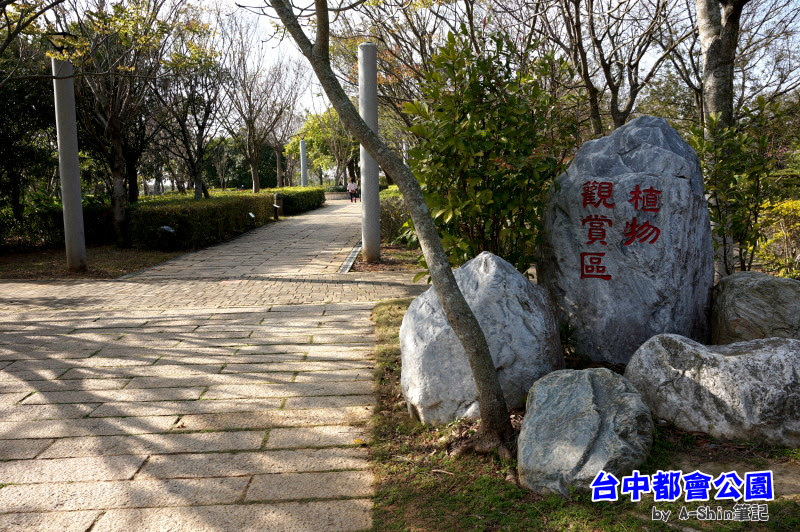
<point>43,224</point>
<point>780,250</point>
<point>491,139</point>
<point>393,215</point>
<point>300,199</point>
<point>196,223</point>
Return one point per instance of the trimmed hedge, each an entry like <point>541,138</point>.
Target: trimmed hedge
<point>393,214</point>
<point>196,223</point>
<point>200,223</point>
<point>43,225</point>
<point>299,199</point>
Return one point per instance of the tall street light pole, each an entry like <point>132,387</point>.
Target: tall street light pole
<point>68,165</point>
<point>368,108</point>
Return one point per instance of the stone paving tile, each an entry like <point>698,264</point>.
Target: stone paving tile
<point>253,463</point>
<point>272,349</point>
<point>321,436</point>
<point>330,516</point>
<point>39,354</point>
<point>114,395</point>
<point>120,494</point>
<point>275,418</point>
<point>91,362</point>
<point>32,412</point>
<point>329,402</point>
<point>339,338</point>
<point>303,365</point>
<point>185,407</point>
<point>57,428</point>
<point>181,370</point>
<point>12,398</point>
<point>70,469</point>
<point>21,449</point>
<point>328,485</point>
<point>208,360</point>
<point>363,374</point>
<point>288,390</point>
<point>211,380</point>
<point>23,385</point>
<point>49,521</point>
<point>27,375</point>
<point>153,444</point>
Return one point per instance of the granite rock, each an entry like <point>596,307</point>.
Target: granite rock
<point>517,319</point>
<point>577,423</point>
<point>741,391</point>
<point>753,305</point>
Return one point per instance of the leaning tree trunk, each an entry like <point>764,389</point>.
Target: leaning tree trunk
<point>494,413</point>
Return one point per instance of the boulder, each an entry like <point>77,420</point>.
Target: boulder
<point>519,325</point>
<point>578,422</point>
<point>753,305</point>
<point>627,251</point>
<point>742,391</point>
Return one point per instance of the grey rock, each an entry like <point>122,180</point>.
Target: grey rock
<point>742,391</point>
<point>578,423</point>
<point>753,305</point>
<point>661,280</point>
<point>519,325</point>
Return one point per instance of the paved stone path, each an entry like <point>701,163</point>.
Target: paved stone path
<point>228,389</point>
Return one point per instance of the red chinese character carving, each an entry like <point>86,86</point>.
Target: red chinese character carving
<point>645,200</point>
<point>641,232</point>
<point>596,193</point>
<point>592,266</point>
<point>597,230</point>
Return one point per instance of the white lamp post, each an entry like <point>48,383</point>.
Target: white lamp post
<point>68,165</point>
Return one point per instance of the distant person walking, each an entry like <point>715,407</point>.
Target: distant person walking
<point>352,188</point>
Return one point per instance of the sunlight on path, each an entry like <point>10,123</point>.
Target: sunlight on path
<point>225,390</point>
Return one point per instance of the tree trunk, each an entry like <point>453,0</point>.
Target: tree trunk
<point>253,161</point>
<point>494,413</point>
<point>278,168</point>
<point>118,195</point>
<point>132,176</point>
<point>718,28</point>
<point>17,209</point>
<point>594,109</point>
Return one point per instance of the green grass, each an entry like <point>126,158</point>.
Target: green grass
<point>420,486</point>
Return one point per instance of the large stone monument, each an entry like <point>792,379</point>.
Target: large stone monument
<point>627,251</point>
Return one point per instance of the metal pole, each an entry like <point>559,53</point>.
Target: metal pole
<point>368,108</point>
<point>303,165</point>
<point>68,166</point>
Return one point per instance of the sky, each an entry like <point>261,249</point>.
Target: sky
<point>312,100</point>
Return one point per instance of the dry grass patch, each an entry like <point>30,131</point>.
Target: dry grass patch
<point>105,262</point>
<point>393,258</point>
